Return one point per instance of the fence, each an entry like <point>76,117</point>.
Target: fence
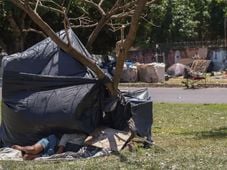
<point>194,44</point>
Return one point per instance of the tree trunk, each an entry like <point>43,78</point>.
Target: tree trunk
<point>126,45</point>
<point>96,32</point>
<point>2,44</point>
<point>17,27</point>
<point>18,43</point>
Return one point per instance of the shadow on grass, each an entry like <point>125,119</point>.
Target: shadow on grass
<point>134,159</point>
<point>122,157</point>
<point>214,133</point>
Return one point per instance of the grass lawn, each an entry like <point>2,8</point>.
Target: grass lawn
<point>186,137</point>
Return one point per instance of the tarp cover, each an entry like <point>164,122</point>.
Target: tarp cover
<point>46,91</point>
<point>44,87</point>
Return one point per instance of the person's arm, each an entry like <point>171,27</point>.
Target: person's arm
<point>60,149</point>
<point>62,143</point>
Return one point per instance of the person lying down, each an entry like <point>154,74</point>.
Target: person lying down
<point>50,145</point>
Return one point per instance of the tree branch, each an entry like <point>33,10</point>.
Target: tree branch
<point>136,6</point>
<point>64,46</point>
<point>41,5</point>
<point>83,21</point>
<point>34,30</point>
<point>100,2</point>
<point>97,6</point>
<point>116,27</point>
<point>13,23</point>
<point>66,26</point>
<point>122,8</point>
<point>123,15</point>
<point>36,5</point>
<point>51,1</point>
<point>117,7</point>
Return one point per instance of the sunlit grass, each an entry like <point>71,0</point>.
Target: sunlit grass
<point>186,137</point>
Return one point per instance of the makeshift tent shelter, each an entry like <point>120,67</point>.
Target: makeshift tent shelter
<point>46,91</point>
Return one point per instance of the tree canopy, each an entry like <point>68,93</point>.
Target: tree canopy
<point>174,21</point>
<point>163,21</point>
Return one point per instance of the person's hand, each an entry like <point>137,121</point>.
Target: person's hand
<point>60,149</point>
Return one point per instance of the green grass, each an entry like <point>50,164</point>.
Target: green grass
<point>186,137</point>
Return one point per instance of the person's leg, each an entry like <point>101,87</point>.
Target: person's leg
<point>45,145</point>
<point>51,146</point>
<point>30,156</point>
<point>33,149</point>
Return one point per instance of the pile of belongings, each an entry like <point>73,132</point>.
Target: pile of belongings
<point>129,73</point>
<point>46,91</point>
<point>151,72</point>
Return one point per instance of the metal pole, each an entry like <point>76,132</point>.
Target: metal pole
<point>156,54</point>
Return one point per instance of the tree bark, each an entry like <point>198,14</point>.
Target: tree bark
<point>18,43</point>
<point>2,44</point>
<point>106,17</point>
<point>123,52</point>
<point>96,31</point>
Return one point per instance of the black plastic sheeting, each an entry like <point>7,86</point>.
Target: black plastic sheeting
<point>137,105</point>
<point>45,91</point>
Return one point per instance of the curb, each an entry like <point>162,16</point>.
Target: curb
<point>142,85</point>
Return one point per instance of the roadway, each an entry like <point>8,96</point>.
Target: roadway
<point>194,96</point>
<point>181,95</point>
